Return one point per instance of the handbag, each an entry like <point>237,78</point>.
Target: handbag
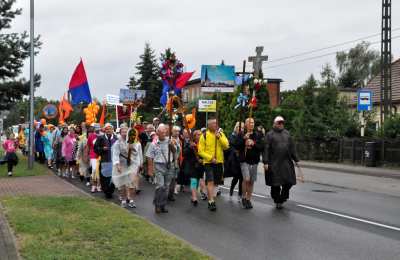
<point>106,169</point>
<point>268,175</point>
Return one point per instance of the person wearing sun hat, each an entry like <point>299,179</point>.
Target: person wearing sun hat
<point>279,159</point>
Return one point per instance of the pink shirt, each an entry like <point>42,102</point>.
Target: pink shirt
<point>91,139</point>
<point>9,146</point>
<point>68,147</point>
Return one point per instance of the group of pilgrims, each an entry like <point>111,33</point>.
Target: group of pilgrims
<point>171,158</point>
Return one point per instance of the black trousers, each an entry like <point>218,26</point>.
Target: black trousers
<point>280,194</point>
<point>40,157</point>
<point>106,185</point>
<point>235,180</point>
<point>12,160</point>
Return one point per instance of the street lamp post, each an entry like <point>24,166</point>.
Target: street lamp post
<point>32,90</point>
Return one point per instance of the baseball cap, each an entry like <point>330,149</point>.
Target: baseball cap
<point>279,119</point>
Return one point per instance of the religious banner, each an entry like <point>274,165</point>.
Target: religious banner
<point>130,96</point>
<point>124,112</point>
<point>217,78</point>
<point>50,111</point>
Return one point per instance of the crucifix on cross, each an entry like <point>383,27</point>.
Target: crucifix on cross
<point>258,61</point>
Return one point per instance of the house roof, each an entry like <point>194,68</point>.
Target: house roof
<point>375,84</point>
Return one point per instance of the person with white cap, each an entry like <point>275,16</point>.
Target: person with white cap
<point>102,147</point>
<point>161,156</point>
<point>278,157</point>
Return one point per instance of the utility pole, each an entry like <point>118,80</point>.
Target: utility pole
<point>386,61</point>
<point>32,87</point>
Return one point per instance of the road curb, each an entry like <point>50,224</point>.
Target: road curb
<point>361,171</point>
<point>9,244</point>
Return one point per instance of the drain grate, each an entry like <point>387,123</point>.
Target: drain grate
<point>324,191</point>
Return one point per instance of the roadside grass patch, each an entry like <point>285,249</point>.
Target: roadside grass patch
<point>86,228</point>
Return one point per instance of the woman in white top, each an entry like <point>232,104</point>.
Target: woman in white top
<point>127,158</point>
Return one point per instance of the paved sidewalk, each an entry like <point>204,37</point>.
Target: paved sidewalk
<point>354,169</point>
<point>47,185</point>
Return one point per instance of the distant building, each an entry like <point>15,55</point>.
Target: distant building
<point>192,91</point>
<point>348,95</point>
<point>375,86</point>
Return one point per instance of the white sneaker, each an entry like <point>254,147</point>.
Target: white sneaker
<point>132,204</point>
<point>87,184</point>
<point>9,173</point>
<point>239,199</point>
<point>72,176</point>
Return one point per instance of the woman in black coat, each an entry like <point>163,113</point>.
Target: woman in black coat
<point>232,163</point>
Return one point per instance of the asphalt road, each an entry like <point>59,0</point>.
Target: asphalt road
<point>319,222</point>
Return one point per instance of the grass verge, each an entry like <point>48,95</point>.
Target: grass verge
<point>21,170</point>
<point>85,228</point>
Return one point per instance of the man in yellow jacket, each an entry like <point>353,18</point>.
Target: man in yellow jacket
<point>211,149</point>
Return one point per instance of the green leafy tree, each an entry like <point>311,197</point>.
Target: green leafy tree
<point>19,112</point>
<point>315,111</point>
<point>262,114</point>
<point>328,76</point>
<point>391,127</point>
<point>148,78</point>
<point>14,49</point>
<point>357,66</point>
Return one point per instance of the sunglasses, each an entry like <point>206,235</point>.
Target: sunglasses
<point>280,122</point>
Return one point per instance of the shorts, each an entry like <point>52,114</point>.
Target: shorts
<point>249,171</point>
<point>214,173</point>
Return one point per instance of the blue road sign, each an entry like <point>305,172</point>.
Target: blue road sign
<point>364,98</point>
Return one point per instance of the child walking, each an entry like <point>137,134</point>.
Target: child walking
<point>10,147</point>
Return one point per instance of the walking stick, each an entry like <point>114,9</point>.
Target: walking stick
<point>301,174</point>
<point>216,118</point>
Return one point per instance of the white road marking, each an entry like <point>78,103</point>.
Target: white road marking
<point>350,217</point>
<point>332,213</point>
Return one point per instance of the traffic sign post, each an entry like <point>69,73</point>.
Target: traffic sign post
<point>364,103</point>
<point>364,98</point>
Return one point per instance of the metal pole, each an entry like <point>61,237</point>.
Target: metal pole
<point>32,90</point>
<point>240,105</point>
<point>116,115</point>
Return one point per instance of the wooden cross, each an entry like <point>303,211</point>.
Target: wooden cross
<point>258,61</point>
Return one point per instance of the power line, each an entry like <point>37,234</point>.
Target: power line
<point>317,57</point>
<point>329,47</point>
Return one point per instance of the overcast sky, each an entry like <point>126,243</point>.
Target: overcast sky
<point>110,35</point>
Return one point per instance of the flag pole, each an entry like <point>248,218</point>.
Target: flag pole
<point>116,115</point>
